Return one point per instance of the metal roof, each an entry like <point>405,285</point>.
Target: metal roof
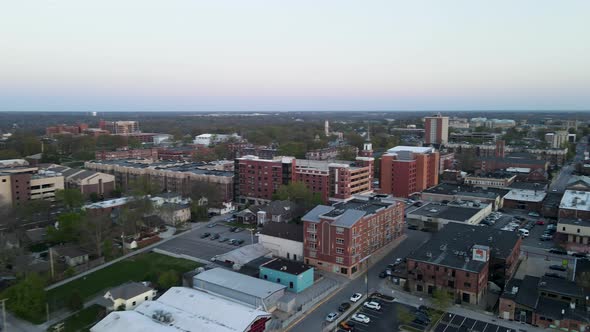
<point>240,282</point>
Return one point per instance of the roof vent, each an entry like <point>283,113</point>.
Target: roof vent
<point>514,290</point>
<point>429,254</point>
<point>283,268</point>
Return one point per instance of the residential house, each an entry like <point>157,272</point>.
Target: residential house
<point>128,296</point>
<point>71,255</point>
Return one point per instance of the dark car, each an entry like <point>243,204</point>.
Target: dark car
<point>347,326</point>
<point>579,255</point>
<point>554,275</point>
<point>232,229</point>
<point>558,268</point>
<point>383,274</point>
<point>238,242</point>
<point>214,237</point>
<point>423,309</point>
<point>418,204</point>
<point>344,306</point>
<point>414,227</point>
<point>420,321</point>
<point>204,235</point>
<point>558,251</point>
<point>422,316</point>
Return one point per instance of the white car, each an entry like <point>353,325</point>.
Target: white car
<point>372,305</point>
<point>361,318</point>
<point>331,316</point>
<point>355,297</point>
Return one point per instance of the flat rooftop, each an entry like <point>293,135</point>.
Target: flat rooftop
<point>575,200</point>
<point>290,267</point>
<point>465,190</point>
<point>346,214</point>
<point>452,246</point>
<point>526,195</point>
<point>239,282</point>
<point>413,149</point>
<point>448,212</point>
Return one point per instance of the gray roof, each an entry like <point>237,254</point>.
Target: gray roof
<point>349,218</point>
<point>239,282</point>
<point>346,214</point>
<point>314,214</point>
<point>70,251</point>
<point>69,172</point>
<point>452,245</point>
<point>464,190</point>
<point>562,286</point>
<point>527,292</point>
<point>279,207</point>
<point>129,290</point>
<point>448,212</point>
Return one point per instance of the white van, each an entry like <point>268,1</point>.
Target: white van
<point>523,232</point>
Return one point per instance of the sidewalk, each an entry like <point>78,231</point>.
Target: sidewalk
<point>415,301</point>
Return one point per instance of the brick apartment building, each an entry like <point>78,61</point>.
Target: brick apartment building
<point>406,170</point>
<point>119,127</point>
<point>256,179</point>
<point>20,184</point>
<point>461,259</point>
<point>66,129</point>
<point>341,237</point>
<point>436,130</point>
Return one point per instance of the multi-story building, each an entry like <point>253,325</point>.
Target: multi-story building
<point>66,129</point>
<point>406,170</point>
<point>525,199</point>
<point>342,237</point>
<point>434,216</point>
<point>19,184</point>
<point>547,302</point>
<point>212,139</point>
<point>329,153</point>
<point>256,179</point>
<point>88,182</point>
<point>498,179</point>
<point>573,226</point>
<point>179,177</point>
<point>450,192</point>
<point>436,130</point>
<point>461,259</point>
<point>119,127</point>
<point>510,156</point>
<point>557,139</point>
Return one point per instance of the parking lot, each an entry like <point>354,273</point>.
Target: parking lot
<point>535,231</point>
<point>385,319</point>
<point>455,323</point>
<point>191,243</point>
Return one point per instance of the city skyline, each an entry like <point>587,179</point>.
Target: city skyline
<point>267,56</point>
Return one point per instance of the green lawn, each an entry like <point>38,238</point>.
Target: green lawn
<point>137,268</point>
<point>82,320</point>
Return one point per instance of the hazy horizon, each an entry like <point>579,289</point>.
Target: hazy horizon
<point>267,56</point>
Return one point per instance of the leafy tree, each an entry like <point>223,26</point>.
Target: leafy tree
<point>199,212</point>
<point>584,279</point>
<point>75,301</point>
<point>168,279</point>
<point>441,299</point>
<point>208,190</point>
<point>347,153</point>
<point>67,230</point>
<point>71,198</point>
<point>9,154</point>
<point>294,149</point>
<point>27,298</point>
<point>299,193</point>
<point>107,249</point>
<point>94,197</point>
<point>142,186</point>
<point>133,143</point>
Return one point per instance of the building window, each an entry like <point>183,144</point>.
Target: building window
<point>146,298</point>
<point>467,274</point>
<point>265,277</point>
<point>291,284</point>
<point>133,303</point>
<point>279,280</point>
<point>339,260</point>
<point>339,230</point>
<point>467,284</point>
<point>339,241</point>
<point>339,251</point>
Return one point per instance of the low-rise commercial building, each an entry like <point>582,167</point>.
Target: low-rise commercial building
<point>461,259</point>
<point>434,216</point>
<point>341,237</point>
<point>498,179</point>
<point>525,199</point>
<point>546,302</point>
<point>295,276</point>
<point>575,205</point>
<point>189,310</point>
<point>284,240</point>
<point>445,193</point>
<point>253,292</point>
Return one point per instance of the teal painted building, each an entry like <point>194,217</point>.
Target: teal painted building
<point>295,276</point>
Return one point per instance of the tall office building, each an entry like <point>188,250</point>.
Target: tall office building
<point>436,129</point>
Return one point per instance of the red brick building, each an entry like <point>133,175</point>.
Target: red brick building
<point>436,129</point>
<point>406,170</point>
<point>461,259</point>
<point>256,179</point>
<point>66,129</point>
<point>341,237</point>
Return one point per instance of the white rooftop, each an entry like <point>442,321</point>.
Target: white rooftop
<point>108,204</point>
<point>525,195</point>
<point>519,169</point>
<point>239,282</point>
<point>575,200</point>
<point>189,310</point>
<point>414,149</point>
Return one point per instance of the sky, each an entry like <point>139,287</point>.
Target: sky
<point>254,55</point>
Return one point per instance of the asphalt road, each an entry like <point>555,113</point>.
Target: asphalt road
<point>314,321</point>
<point>560,181</point>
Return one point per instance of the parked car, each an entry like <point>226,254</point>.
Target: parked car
<point>423,309</point>
<point>331,316</point>
<point>238,229</point>
<point>344,306</point>
<point>397,262</point>
<point>372,305</point>
<point>223,239</point>
<point>540,222</point>
<point>231,241</point>
<point>558,251</point>
<point>558,268</point>
<point>211,225</point>
<point>554,275</point>
<point>382,274</point>
<point>204,235</point>
<point>420,321</point>
<point>546,237</point>
<point>232,229</point>
<point>580,255</point>
<point>413,227</point>
<point>418,204</point>
<point>214,237</point>
<point>422,316</point>
<point>534,214</point>
<point>361,318</point>
<point>237,242</point>
<point>355,297</point>
<point>347,326</point>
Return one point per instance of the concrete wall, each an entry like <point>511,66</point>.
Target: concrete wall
<point>294,283</point>
<point>291,250</point>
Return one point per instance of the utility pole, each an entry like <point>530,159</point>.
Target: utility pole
<point>51,263</point>
<point>3,314</point>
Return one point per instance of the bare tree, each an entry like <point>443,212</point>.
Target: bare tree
<point>97,228</point>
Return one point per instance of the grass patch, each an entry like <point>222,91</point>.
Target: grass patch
<point>82,320</point>
<point>144,267</point>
